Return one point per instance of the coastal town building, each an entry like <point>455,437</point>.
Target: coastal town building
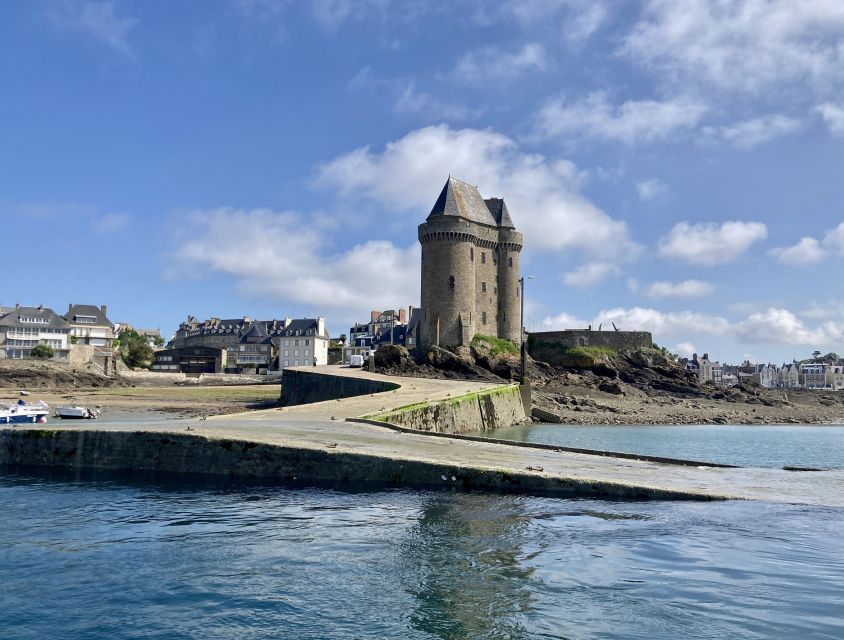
<point>92,335</point>
<point>244,345</point>
<point>470,268</point>
<point>22,328</point>
<point>384,328</point>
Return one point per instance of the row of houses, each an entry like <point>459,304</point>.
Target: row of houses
<point>244,345</point>
<point>796,375</point>
<point>82,335</point>
<point>396,327</point>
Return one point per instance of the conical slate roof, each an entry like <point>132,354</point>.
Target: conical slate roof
<point>462,200</point>
<point>498,209</point>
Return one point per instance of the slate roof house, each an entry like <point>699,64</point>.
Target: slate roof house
<point>243,345</point>
<point>22,328</point>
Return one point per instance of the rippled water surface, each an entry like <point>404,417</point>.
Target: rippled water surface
<point>743,445</point>
<point>107,556</point>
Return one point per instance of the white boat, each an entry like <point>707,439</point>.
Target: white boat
<point>76,412</point>
<point>22,413</point>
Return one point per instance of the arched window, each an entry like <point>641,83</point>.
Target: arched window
<point>510,261</point>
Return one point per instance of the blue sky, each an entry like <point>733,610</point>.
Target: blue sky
<point>675,166</point>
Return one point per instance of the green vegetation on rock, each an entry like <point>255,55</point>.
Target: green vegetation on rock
<point>496,346</point>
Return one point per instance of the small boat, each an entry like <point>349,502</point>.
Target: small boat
<point>77,412</point>
<point>22,413</point>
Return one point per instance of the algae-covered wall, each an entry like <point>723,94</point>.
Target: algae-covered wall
<point>303,387</point>
<point>473,412</point>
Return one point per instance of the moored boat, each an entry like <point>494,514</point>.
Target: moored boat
<point>22,413</point>
<point>76,412</point>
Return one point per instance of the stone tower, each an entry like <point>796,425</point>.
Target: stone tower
<point>470,268</point>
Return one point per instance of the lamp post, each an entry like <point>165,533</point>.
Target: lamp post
<point>522,348</point>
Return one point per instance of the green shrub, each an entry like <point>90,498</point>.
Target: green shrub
<point>42,351</point>
<point>496,346</point>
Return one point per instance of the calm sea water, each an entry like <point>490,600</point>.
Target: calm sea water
<point>110,556</point>
<point>747,446</point>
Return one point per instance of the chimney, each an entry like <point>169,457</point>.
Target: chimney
<point>402,316</point>
<point>706,356</point>
<point>373,315</point>
<point>321,326</point>
<point>410,312</point>
<point>287,322</point>
<point>694,357</point>
<point>104,309</point>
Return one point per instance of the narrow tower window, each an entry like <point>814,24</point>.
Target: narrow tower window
<point>451,283</point>
<point>483,287</point>
<point>472,254</point>
<point>483,257</point>
<point>483,317</point>
<point>510,262</point>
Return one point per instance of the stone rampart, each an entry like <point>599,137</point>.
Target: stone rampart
<point>305,387</point>
<point>473,412</point>
<point>544,344</point>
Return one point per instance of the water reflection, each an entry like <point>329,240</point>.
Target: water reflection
<point>462,564</point>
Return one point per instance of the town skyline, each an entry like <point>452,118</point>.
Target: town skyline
<point>686,183</point>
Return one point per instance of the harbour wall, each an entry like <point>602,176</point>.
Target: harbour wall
<point>473,412</point>
<point>162,452</point>
<point>305,387</point>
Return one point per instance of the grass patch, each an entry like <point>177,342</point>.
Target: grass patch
<point>497,346</point>
<point>592,352</point>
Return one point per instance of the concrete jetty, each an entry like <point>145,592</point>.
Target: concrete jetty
<point>314,443</point>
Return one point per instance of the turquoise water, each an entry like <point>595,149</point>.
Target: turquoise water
<point>747,446</point>
<point>99,556</point>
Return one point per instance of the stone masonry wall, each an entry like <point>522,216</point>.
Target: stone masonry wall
<point>303,387</point>
<point>543,344</point>
<point>470,413</point>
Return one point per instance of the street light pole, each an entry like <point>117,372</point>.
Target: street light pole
<point>522,348</point>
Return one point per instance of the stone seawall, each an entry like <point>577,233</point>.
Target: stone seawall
<point>305,387</point>
<point>473,412</point>
<point>146,451</point>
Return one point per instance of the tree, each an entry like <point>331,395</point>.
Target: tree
<point>159,341</point>
<point>816,355</point>
<point>134,349</point>
<point>73,339</point>
<point>42,351</point>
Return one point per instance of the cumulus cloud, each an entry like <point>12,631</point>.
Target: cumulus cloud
<point>781,326</point>
<point>542,195</point>
<point>631,122</point>
<point>111,222</point>
<point>710,243</point>
<point>833,115</point>
<point>834,239</point>
<point>492,64</point>
<point>807,251</point>
<point>750,133</point>
<point>684,289</point>
<point>590,274</point>
<point>97,20</point>
<point>650,189</point>
<point>664,323</point>
<point>685,349</point>
<point>285,255</point>
<point>741,45</point>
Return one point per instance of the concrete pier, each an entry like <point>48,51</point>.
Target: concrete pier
<point>313,443</point>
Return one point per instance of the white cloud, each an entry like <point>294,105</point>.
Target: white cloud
<point>822,310</point>
<point>97,20</point>
<point>414,102</point>
<point>632,122</point>
<point>741,45</point>
<point>807,251</point>
<point>491,64</point>
<point>590,274</point>
<point>584,18</point>
<point>781,326</point>
<point>834,239</point>
<point>685,349</point>
<point>710,243</point>
<point>750,133</point>
<point>663,324</point>
<point>111,222</point>
<point>542,195</point>
<point>284,255</point>
<point>650,189</point>
<point>563,321</point>
<point>684,289</point>
<point>833,115</point>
